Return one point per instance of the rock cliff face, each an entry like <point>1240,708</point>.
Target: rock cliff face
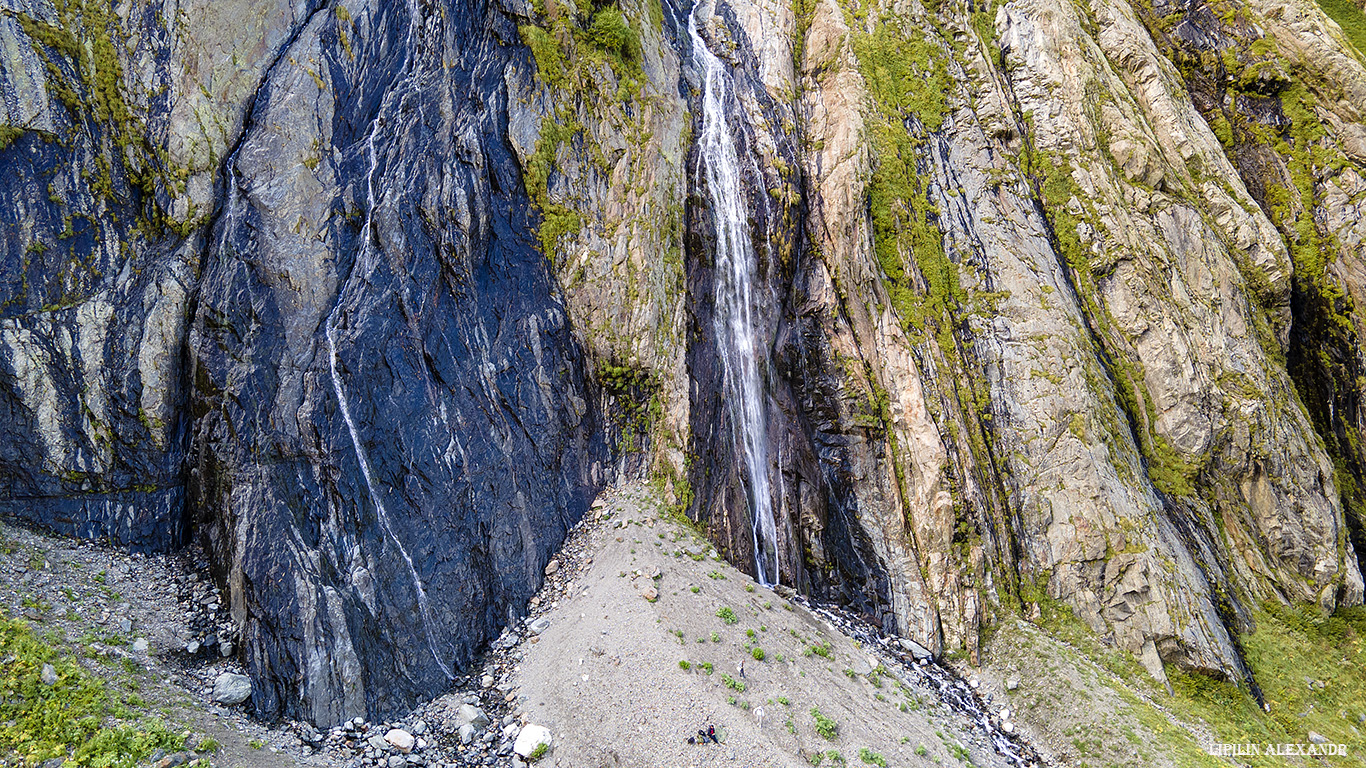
<point>1055,303</point>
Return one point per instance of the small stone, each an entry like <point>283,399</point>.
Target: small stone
<point>974,682</point>
<point>650,594</point>
<point>1317,738</point>
<point>1012,684</point>
<point>466,732</point>
<point>225,649</point>
<point>472,715</point>
<point>140,645</point>
<point>419,728</point>
<point>539,625</point>
<point>231,689</point>
<point>172,760</point>
<point>377,743</point>
<point>487,682</point>
<point>1005,714</point>
<point>551,567</point>
<point>192,647</point>
<point>397,761</point>
<point>125,625</point>
<point>401,739</point>
<point>49,675</point>
<point>529,739</point>
<point>1008,727</point>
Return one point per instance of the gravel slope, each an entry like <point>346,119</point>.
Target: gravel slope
<point>604,675</point>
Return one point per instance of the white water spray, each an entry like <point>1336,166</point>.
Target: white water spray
<point>738,340</point>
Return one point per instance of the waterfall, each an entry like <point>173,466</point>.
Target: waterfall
<point>366,261</point>
<point>737,338</point>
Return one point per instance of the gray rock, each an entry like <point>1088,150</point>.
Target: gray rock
<point>401,740</point>
<point>140,645</point>
<point>466,732</point>
<point>916,650</point>
<point>49,675</point>
<point>530,738</point>
<point>473,715</point>
<point>552,567</point>
<point>539,625</point>
<point>1012,684</point>
<point>1317,738</point>
<point>231,689</point>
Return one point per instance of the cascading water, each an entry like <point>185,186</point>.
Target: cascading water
<point>365,263</point>
<point>738,340</point>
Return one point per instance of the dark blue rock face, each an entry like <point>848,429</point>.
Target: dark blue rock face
<point>392,430</point>
<point>93,280</point>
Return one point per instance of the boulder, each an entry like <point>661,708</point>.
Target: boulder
<point>530,738</point>
<point>231,689</point>
<point>401,740</point>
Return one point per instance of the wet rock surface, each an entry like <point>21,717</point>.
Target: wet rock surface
<point>370,299</point>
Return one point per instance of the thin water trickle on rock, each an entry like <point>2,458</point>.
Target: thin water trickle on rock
<point>742,350</point>
<point>366,261</point>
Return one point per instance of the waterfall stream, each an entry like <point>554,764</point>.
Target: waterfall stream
<point>744,355</point>
<point>366,261</point>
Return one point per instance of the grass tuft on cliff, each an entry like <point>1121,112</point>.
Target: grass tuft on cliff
<point>76,717</point>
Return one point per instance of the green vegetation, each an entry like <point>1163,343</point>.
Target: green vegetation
<point>872,758</point>
<point>757,653</point>
<point>827,728</point>
<point>556,220</point>
<point>683,664</point>
<point>727,615</point>
<point>208,745</point>
<point>256,744</point>
<point>538,752</point>
<point>732,683</point>
<point>77,717</point>
<point>1351,18</point>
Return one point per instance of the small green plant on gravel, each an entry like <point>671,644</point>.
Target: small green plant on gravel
<point>727,615</point>
<point>706,667</point>
<point>749,587</point>
<point>731,700</point>
<point>715,638</point>
<point>834,757</point>
<point>717,575</point>
<point>749,633</point>
<point>683,664</point>
<point>256,744</point>
<point>101,577</point>
<point>822,650</point>
<point>783,700</point>
<point>695,589</point>
<point>921,750</point>
<point>791,726</point>
<point>757,653</point>
<point>538,752</point>
<point>872,758</point>
<point>732,683</point>
<point>209,745</point>
<point>827,728</point>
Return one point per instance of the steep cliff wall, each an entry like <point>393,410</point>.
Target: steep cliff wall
<point>1056,306</point>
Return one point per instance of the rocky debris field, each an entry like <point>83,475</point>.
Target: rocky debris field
<point>639,640</point>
